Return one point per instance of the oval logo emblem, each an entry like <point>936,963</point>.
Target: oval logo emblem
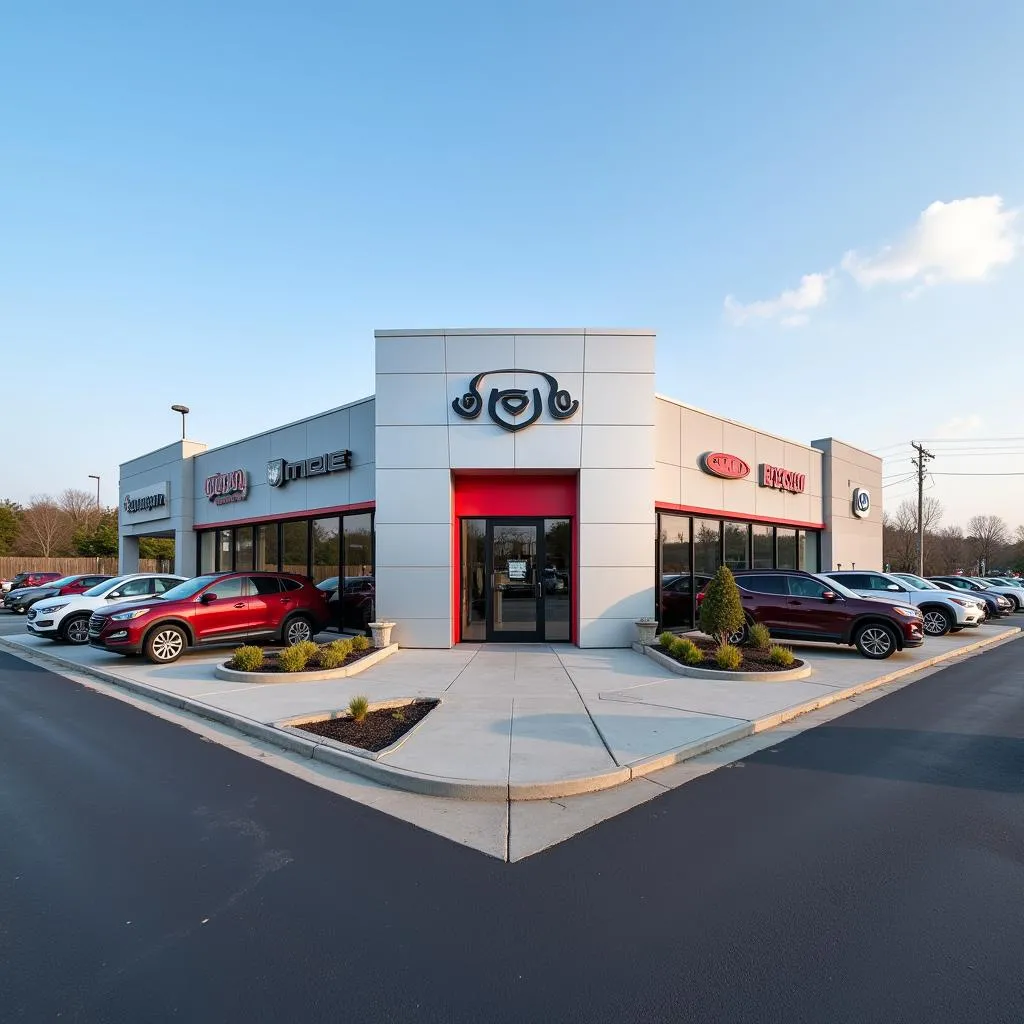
<point>730,467</point>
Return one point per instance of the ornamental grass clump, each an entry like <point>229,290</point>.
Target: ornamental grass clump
<point>360,643</point>
<point>358,707</point>
<point>721,611</point>
<point>728,657</point>
<point>688,652</point>
<point>247,659</point>
<point>667,639</point>
<point>759,638</point>
<point>293,659</point>
<point>335,654</point>
<point>782,656</point>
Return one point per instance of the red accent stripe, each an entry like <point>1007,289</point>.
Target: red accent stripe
<point>717,513</point>
<point>313,513</point>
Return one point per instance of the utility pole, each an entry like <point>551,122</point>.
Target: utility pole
<point>921,463</point>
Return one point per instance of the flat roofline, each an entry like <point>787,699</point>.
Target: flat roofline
<point>846,444</point>
<point>737,423</point>
<point>294,423</point>
<point>409,332</point>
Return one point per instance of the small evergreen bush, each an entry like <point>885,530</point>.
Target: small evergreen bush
<point>721,611</point>
<point>293,659</point>
<point>247,659</point>
<point>759,638</point>
<point>312,649</point>
<point>781,656</point>
<point>728,657</point>
<point>360,643</point>
<point>358,707</point>
<point>334,654</point>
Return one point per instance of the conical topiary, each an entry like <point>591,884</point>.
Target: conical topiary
<point>721,611</point>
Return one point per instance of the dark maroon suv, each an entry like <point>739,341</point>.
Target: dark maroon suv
<point>223,608</point>
<point>801,606</point>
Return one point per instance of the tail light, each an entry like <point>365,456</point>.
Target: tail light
<point>700,597</point>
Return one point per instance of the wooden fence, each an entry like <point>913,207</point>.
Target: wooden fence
<point>12,564</point>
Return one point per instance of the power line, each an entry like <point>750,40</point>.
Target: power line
<point>978,474</point>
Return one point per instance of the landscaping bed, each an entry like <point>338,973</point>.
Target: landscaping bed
<point>754,659</point>
<point>377,730</point>
<point>303,657</point>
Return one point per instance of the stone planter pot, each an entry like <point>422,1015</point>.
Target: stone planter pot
<point>381,633</point>
<point>648,630</point>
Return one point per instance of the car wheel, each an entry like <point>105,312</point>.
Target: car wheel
<point>298,630</point>
<point>165,644</point>
<point>75,629</point>
<point>938,621</point>
<point>875,641</point>
<point>741,635</point>
<point>1014,602</point>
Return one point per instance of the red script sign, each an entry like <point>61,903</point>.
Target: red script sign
<point>782,479</point>
<point>729,467</point>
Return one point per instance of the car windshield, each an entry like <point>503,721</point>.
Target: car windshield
<point>188,589</point>
<point>101,588</point>
<point>918,583</point>
<point>837,587</point>
<point>980,583</point>
<point>62,582</point>
<point>328,584</point>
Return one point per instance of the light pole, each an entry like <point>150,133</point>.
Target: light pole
<point>93,476</point>
<point>184,410</point>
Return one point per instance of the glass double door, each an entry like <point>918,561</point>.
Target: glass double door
<point>522,591</point>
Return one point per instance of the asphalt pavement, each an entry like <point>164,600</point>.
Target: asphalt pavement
<point>871,869</point>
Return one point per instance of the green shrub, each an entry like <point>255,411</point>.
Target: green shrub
<point>721,611</point>
<point>398,715</point>
<point>781,656</point>
<point>312,649</point>
<point>689,653</point>
<point>728,657</point>
<point>760,639</point>
<point>293,659</point>
<point>334,654</point>
<point>667,639</point>
<point>360,643</point>
<point>247,659</point>
<point>358,708</point>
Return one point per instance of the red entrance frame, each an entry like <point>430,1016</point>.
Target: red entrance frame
<point>494,495</point>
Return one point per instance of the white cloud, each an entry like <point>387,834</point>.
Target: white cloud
<point>961,426</point>
<point>962,240</point>
<point>787,307</point>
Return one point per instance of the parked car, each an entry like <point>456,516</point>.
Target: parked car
<point>67,618</point>
<point>220,608</point>
<point>797,605</point>
<point>676,607</point>
<point>942,612</point>
<point>1002,584</point>
<point>25,580</point>
<point>996,605</point>
<point>360,595</point>
<point>5,585</point>
<point>976,586</point>
<point>25,597</point>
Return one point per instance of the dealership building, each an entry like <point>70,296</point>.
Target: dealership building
<point>509,485</point>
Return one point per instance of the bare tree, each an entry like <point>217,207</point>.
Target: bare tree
<point>899,538</point>
<point>44,527</point>
<point>945,551</point>
<point>80,507</point>
<point>988,534</point>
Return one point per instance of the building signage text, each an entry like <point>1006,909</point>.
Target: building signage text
<point>729,467</point>
<point>146,503</point>
<point>506,405</point>
<point>280,471</point>
<point>783,479</point>
<point>224,488</point>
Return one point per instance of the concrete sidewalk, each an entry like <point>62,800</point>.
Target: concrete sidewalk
<point>519,722</point>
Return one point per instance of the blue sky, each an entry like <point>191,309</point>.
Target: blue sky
<point>216,204</point>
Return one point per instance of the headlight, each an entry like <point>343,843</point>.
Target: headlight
<point>133,614</point>
<point>907,613</point>
<point>52,607</point>
<point>960,601</point>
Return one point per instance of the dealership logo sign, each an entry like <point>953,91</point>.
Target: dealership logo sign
<point>224,488</point>
<point>728,467</point>
<point>783,479</point>
<point>861,502</point>
<point>280,471</point>
<point>505,406</point>
<point>146,503</point>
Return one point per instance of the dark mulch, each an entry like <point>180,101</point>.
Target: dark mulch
<point>270,663</point>
<point>378,730</point>
<point>753,660</point>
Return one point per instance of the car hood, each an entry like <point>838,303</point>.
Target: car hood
<point>132,602</point>
<point>34,591</point>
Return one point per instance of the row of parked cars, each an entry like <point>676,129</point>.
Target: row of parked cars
<point>161,615</point>
<point>878,613</point>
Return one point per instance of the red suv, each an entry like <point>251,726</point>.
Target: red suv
<point>800,606</point>
<point>222,608</point>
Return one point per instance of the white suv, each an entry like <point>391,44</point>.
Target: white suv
<point>67,618</point>
<point>942,610</point>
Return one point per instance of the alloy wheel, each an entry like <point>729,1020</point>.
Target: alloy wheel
<point>168,645</point>
<point>78,631</point>
<point>934,623</point>
<point>298,632</point>
<point>876,640</point>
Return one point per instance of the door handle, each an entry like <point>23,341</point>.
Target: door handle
<point>793,600</point>
<point>241,604</point>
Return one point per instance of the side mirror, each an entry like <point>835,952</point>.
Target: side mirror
<point>116,596</point>
<point>207,598</point>
<point>894,587</point>
<point>829,595</point>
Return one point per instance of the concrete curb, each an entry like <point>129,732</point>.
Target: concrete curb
<point>480,789</point>
<point>374,657</point>
<point>786,676</point>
